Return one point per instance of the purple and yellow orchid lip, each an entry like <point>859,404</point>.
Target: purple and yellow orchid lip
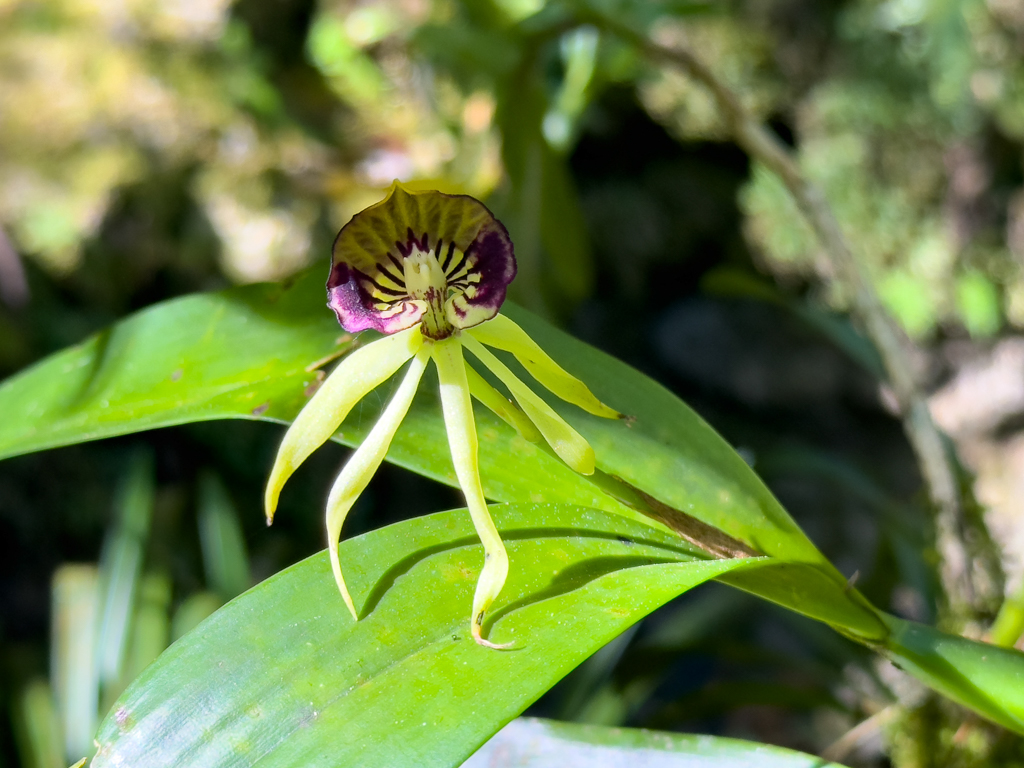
<point>430,271</point>
<point>420,257</point>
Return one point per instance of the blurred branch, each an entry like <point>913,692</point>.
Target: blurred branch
<point>13,285</point>
<point>846,744</point>
<point>936,463</point>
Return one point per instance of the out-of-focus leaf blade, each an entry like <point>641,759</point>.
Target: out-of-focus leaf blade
<point>406,685</point>
<point>467,52</point>
<point>151,631</point>
<point>120,566</point>
<point>740,283</point>
<point>563,229</point>
<point>73,655</point>
<point>225,559</point>
<point>984,677</point>
<point>37,727</point>
<point>534,743</point>
<point>1009,624</point>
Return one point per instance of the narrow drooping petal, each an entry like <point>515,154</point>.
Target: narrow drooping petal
<point>356,375</point>
<point>457,407</point>
<point>502,333</point>
<point>494,401</point>
<point>363,463</point>
<point>378,276</point>
<point>566,441</point>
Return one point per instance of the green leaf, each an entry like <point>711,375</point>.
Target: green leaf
<point>244,353</point>
<point>1008,627</point>
<point>469,53</point>
<point>669,452</point>
<point>207,356</point>
<point>984,677</point>
<point>406,681</point>
<point>151,627</point>
<point>734,282</point>
<point>534,743</point>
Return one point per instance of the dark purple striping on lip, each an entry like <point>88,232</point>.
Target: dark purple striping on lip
<point>458,267</point>
<point>396,280</point>
<point>389,291</point>
<point>448,257</point>
<point>357,295</point>
<point>411,242</point>
<point>496,265</point>
<point>354,308</point>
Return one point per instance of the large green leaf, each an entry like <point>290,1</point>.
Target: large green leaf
<point>984,677</point>
<point>283,676</point>
<point>206,356</point>
<point>244,353</point>
<point>534,743</point>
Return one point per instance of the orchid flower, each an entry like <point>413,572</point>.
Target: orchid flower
<point>430,271</point>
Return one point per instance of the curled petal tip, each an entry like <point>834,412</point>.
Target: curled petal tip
<point>340,581</point>
<point>270,504</point>
<point>476,632</point>
<point>352,610</point>
<point>270,499</point>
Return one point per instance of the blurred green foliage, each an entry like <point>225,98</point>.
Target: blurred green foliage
<point>900,109</point>
<point>906,125</point>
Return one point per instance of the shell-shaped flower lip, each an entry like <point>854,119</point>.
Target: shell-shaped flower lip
<point>420,257</point>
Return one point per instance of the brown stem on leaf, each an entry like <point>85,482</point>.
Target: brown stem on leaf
<point>715,542</point>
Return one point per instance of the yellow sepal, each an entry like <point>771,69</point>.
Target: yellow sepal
<point>363,463</point>
<point>494,401</point>
<point>355,376</point>
<point>502,333</point>
<point>570,446</point>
